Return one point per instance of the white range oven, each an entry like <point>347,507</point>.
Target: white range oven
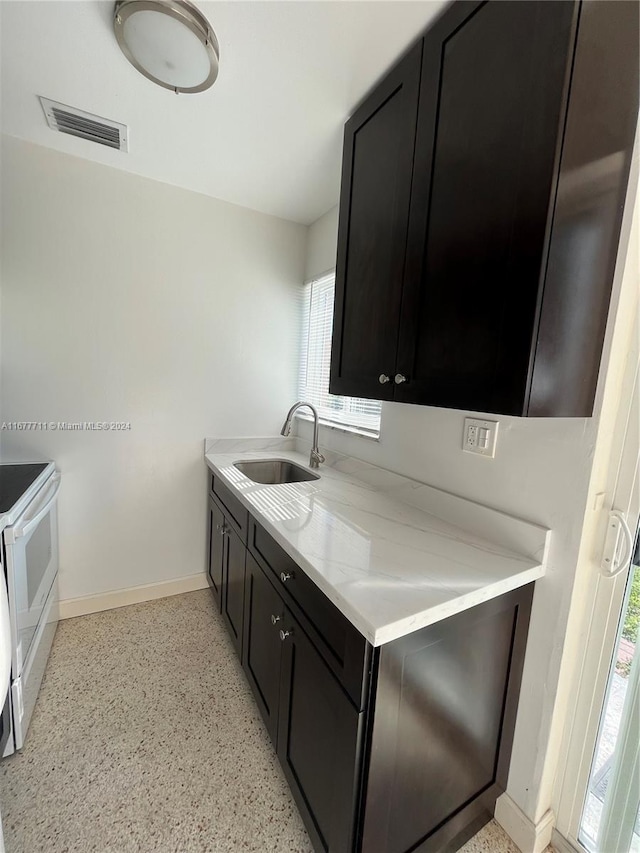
<point>30,550</point>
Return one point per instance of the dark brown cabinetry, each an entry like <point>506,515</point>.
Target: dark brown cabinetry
<point>314,725</point>
<point>233,586</point>
<point>393,749</point>
<point>444,697</point>
<point>227,536</point>
<point>482,192</point>
<point>374,218</point>
<point>344,650</point>
<point>319,742</point>
<point>216,549</point>
<point>263,619</point>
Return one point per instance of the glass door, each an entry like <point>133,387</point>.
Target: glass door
<point>611,815</point>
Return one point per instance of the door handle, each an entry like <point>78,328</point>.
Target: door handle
<point>612,564</point>
<point>22,529</point>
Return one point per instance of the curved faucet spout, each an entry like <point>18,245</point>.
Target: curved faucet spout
<point>316,457</point>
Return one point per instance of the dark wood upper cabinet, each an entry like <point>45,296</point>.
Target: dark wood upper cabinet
<point>490,109</point>
<point>374,214</point>
<point>504,247</point>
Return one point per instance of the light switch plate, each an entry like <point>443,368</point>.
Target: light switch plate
<point>480,437</point>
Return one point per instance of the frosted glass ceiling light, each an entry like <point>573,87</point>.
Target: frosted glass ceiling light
<point>168,41</point>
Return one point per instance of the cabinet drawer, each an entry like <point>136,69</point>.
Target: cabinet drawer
<point>236,514</point>
<point>341,645</point>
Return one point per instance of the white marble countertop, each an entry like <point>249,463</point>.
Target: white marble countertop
<point>389,566</point>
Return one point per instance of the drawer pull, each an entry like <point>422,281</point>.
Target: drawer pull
<point>275,619</point>
<point>285,576</point>
<point>284,634</point>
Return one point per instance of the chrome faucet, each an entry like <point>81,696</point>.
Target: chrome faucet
<point>316,457</point>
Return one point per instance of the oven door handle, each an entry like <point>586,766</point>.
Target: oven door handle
<point>22,528</point>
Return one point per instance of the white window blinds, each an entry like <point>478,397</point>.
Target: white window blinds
<point>317,325</point>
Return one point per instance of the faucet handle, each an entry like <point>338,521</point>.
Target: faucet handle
<point>316,458</point>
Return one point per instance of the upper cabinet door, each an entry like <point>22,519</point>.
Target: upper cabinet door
<point>374,211</point>
<point>492,100</point>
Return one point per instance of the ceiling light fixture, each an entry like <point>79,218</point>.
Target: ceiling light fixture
<point>169,41</point>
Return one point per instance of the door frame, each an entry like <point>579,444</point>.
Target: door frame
<point>603,597</point>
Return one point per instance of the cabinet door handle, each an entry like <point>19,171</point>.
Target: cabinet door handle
<point>284,634</point>
<point>275,619</point>
<point>383,379</point>
<point>399,378</point>
<point>285,576</point>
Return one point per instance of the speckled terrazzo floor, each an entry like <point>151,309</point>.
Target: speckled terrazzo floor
<point>146,739</point>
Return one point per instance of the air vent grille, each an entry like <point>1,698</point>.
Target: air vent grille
<point>76,122</point>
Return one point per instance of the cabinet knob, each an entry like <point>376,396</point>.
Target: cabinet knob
<point>399,378</point>
<point>275,619</point>
<point>284,634</point>
<point>383,379</point>
<point>285,576</point>
<point>222,528</point>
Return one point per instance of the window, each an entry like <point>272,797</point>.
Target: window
<point>317,325</point>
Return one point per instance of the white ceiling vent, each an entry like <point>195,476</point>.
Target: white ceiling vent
<point>85,125</point>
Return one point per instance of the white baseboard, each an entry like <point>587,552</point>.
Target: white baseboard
<point>71,607</point>
<point>560,843</point>
<point>528,836</point>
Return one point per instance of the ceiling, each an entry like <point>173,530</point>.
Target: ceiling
<point>267,135</point>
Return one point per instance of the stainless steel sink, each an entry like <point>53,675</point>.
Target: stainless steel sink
<point>272,471</point>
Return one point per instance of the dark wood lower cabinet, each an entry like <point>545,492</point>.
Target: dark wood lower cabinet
<point>215,550</point>
<point>440,739</point>
<point>319,742</point>
<point>413,760</point>
<point>263,618</point>
<point>226,563</point>
<point>233,586</point>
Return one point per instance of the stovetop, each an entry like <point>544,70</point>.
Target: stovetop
<point>15,480</point>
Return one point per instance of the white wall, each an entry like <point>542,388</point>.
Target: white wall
<point>125,299</point>
<point>321,245</point>
<point>541,473</point>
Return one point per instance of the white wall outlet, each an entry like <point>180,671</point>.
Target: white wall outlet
<point>480,437</point>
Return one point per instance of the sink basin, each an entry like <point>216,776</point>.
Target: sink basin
<point>272,471</point>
